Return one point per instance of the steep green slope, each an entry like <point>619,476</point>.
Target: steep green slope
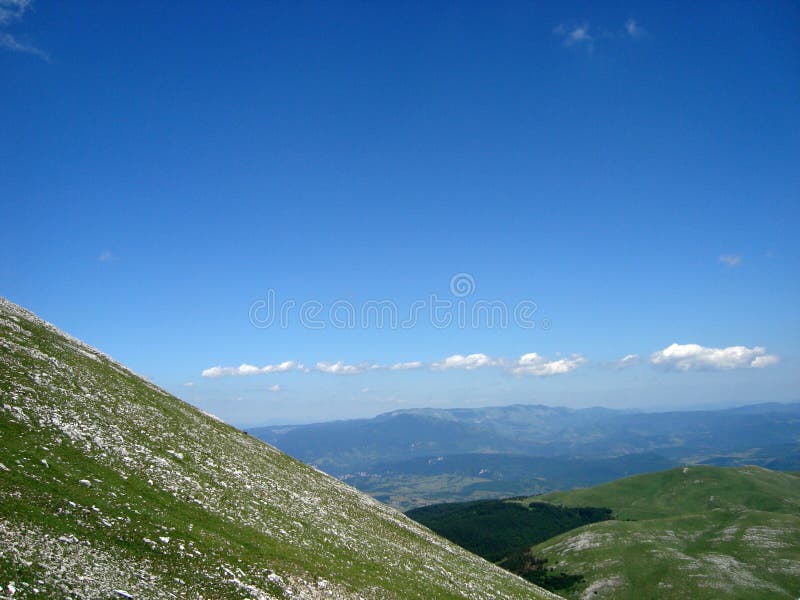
<point>694,532</point>
<point>110,487</point>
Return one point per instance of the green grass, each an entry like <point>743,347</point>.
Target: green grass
<point>689,489</point>
<point>694,532</point>
<point>182,505</point>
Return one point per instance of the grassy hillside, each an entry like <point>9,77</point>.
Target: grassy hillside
<point>692,532</point>
<point>110,487</point>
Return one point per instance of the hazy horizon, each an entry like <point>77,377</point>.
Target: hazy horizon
<point>632,410</point>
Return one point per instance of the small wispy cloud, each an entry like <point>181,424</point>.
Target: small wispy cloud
<point>633,29</point>
<point>534,364</point>
<point>585,36</point>
<point>12,11</point>
<point>468,362</point>
<point>9,42</point>
<point>274,388</point>
<point>406,366</point>
<point>188,384</point>
<point>246,369</point>
<point>627,361</point>
<point>574,35</point>
<point>106,256</point>
<point>730,260</point>
<point>694,357</point>
<point>340,368</point>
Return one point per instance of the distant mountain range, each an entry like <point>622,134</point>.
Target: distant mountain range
<point>112,488</point>
<point>414,457</point>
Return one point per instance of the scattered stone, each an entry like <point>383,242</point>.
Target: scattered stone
<point>68,539</point>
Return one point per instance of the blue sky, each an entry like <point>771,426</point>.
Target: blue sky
<point>632,169</point>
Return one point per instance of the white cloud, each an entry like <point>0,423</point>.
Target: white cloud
<point>335,368</point>
<point>9,42</point>
<point>765,361</point>
<point>626,361</point>
<point>245,369</point>
<point>340,368</point>
<point>219,371</point>
<point>527,364</point>
<point>406,366</point>
<point>274,388</point>
<point>583,35</point>
<point>633,29</point>
<point>693,357</point>
<point>469,362</point>
<point>106,256</point>
<point>730,260</point>
<point>188,384</point>
<point>10,12</point>
<point>13,10</point>
<point>578,34</point>
<point>534,364</point>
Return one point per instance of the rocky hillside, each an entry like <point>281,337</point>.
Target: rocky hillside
<point>110,487</point>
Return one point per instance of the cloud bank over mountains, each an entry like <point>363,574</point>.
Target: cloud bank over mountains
<point>675,357</point>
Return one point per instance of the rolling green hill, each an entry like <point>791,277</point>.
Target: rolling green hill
<point>693,532</point>
<point>110,487</point>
